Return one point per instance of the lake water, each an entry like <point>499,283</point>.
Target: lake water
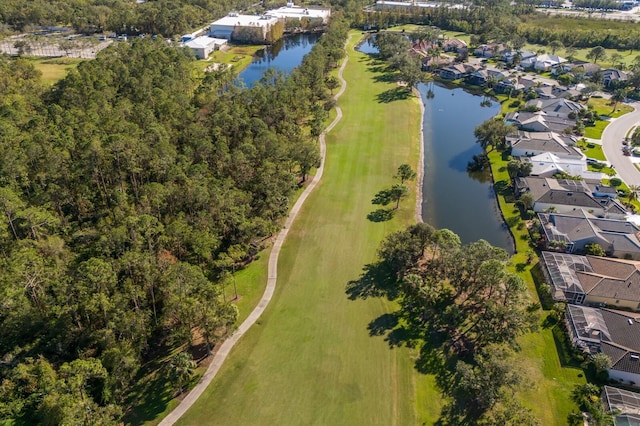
<point>284,55</point>
<point>452,197</point>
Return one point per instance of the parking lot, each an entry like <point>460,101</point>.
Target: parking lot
<point>55,45</point>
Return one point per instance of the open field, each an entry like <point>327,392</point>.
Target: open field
<point>310,359</point>
<point>53,69</point>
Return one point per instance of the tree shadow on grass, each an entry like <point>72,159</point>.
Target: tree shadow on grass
<point>395,94</point>
<point>376,280</point>
<point>381,215</point>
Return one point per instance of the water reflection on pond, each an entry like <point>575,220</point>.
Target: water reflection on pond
<point>284,55</point>
<point>454,198</point>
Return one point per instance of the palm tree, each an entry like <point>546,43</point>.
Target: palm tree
<point>618,96</point>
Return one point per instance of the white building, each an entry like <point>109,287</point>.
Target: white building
<point>290,11</point>
<point>229,26</point>
<point>203,46</point>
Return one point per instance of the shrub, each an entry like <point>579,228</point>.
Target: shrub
<point>615,182</point>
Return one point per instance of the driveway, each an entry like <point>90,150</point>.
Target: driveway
<point>612,138</point>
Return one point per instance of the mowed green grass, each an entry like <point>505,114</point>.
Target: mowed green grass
<point>548,381</point>
<point>54,69</point>
<point>310,359</point>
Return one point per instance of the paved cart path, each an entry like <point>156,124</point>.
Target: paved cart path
<point>225,348</point>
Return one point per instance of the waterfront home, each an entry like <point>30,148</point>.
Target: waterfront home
<point>539,122</point>
<point>556,107</point>
<point>572,232</point>
<point>431,63</point>
<point>623,405</point>
<point>528,144</point>
<point>593,280</point>
<point>515,84</point>
<point>484,75</point>
<point>548,165</point>
<point>457,71</point>
<point>567,196</point>
<point>611,332</point>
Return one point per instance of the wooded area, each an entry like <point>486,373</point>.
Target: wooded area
<point>129,192</point>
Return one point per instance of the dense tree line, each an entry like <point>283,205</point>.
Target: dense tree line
<point>155,17</point>
<point>511,25</point>
<point>465,305</point>
<point>166,17</point>
<point>128,192</point>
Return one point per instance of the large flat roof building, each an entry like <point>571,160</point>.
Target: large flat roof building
<point>291,11</point>
<point>234,26</point>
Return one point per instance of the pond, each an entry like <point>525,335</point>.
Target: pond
<point>452,197</point>
<point>284,55</point>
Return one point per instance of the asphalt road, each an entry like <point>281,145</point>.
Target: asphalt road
<point>612,138</point>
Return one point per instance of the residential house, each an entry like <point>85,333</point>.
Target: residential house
<point>528,144</point>
<point>612,332</point>
<point>593,280</point>
<point>423,48</point>
<point>457,71</point>
<point>484,75</point>
<point>548,165</point>
<point>489,50</point>
<point>578,67</point>
<point>454,45</point>
<point>572,232</point>
<point>544,62</point>
<point>613,76</point>
<point>623,405</point>
<point>567,196</point>
<point>556,107</point>
<point>508,56</point>
<point>515,84</point>
<point>539,122</point>
<point>431,63</point>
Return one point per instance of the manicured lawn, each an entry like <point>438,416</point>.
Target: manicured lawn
<point>592,150</point>
<point>310,358</point>
<point>239,57</point>
<point>549,382</point>
<point>604,107</point>
<point>53,69</point>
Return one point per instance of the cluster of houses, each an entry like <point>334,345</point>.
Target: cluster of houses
<point>602,293</point>
<point>451,68</point>
<point>250,28</point>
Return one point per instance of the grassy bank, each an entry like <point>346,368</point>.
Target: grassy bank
<point>311,359</point>
<point>550,378</point>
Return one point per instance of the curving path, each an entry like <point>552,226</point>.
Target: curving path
<point>612,138</point>
<point>225,349</point>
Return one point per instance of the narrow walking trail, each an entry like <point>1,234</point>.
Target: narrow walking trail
<point>225,349</point>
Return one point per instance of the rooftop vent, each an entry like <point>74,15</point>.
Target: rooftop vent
<point>630,321</point>
<point>635,357</point>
